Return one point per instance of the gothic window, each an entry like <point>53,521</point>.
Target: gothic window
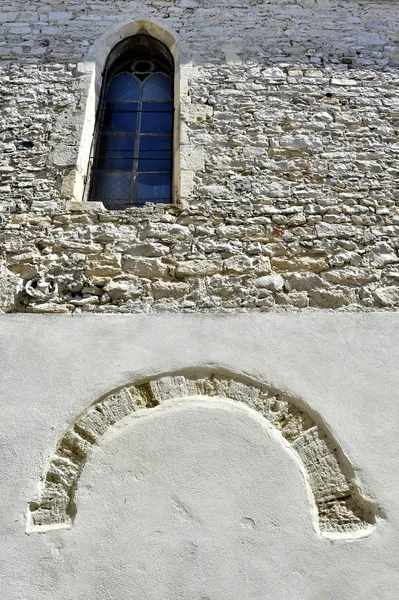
<point>133,147</point>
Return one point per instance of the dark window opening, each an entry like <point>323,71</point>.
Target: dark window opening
<point>131,158</point>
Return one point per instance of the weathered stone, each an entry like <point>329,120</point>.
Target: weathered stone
<point>237,265</point>
<point>44,206</point>
<point>328,298</point>
<point>168,232</point>
<point>10,286</point>
<point>122,290</point>
<point>197,268</point>
<point>145,267</point>
<point>147,249</point>
<point>274,283</point>
<point>305,282</point>
<point>293,299</point>
<point>169,289</point>
<point>388,296</point>
<point>301,142</point>
<point>382,254</point>
<point>102,271</point>
<point>351,276</point>
<point>339,231</point>
<point>251,232</point>
<point>301,263</point>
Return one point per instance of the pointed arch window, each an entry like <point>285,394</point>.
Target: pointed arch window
<point>133,147</point>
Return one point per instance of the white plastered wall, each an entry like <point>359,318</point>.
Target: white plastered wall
<point>193,500</point>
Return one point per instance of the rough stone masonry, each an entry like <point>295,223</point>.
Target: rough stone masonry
<point>289,129</point>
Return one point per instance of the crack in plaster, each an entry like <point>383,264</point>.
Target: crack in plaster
<point>341,510</point>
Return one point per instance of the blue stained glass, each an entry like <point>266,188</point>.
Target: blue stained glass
<point>133,158</point>
<point>158,106</point>
<point>120,117</point>
<point>122,87</point>
<point>113,187</point>
<point>155,153</point>
<point>158,87</point>
<point>153,187</point>
<point>116,152</point>
<point>156,122</point>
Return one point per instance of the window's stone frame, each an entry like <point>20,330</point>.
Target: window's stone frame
<point>73,186</point>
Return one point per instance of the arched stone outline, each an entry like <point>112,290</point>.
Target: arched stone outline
<point>92,69</point>
<point>341,510</point>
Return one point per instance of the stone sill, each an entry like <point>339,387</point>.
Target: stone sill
<point>85,206</point>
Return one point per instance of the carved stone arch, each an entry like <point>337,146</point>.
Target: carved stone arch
<point>341,510</point>
<point>92,72</point>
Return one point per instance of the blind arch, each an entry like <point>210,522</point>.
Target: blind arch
<point>132,152</point>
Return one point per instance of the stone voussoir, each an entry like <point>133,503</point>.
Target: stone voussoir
<point>340,509</point>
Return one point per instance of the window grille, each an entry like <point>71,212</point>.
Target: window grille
<point>131,158</point>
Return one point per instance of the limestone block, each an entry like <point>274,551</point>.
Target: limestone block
<point>351,276</point>
<point>64,156</point>
<point>169,289</point>
<point>292,299</point>
<point>60,16</point>
<point>382,254</point>
<point>122,290</point>
<point>49,308</point>
<point>214,191</point>
<point>301,142</point>
<point>168,232</point>
<point>145,267</point>
<point>147,249</point>
<point>343,82</point>
<point>8,17</point>
<point>387,296</point>
<point>329,298</point>
<point>339,231</point>
<point>192,158</point>
<point>305,282</point>
<point>199,268</point>
<point>301,263</point>
<point>24,264</point>
<point>44,206</point>
<point>274,283</point>
<point>10,286</point>
<point>237,265</point>
<point>102,270</point>
<point>85,206</point>
<point>167,387</point>
<point>249,232</point>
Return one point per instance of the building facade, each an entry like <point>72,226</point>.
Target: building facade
<point>212,374</point>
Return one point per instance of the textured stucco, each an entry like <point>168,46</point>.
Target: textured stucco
<point>197,500</point>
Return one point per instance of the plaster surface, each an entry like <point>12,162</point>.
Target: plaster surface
<point>196,499</point>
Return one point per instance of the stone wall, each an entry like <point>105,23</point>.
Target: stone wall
<point>290,148</point>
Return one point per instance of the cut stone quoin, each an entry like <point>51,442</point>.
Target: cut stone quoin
<point>341,510</point>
